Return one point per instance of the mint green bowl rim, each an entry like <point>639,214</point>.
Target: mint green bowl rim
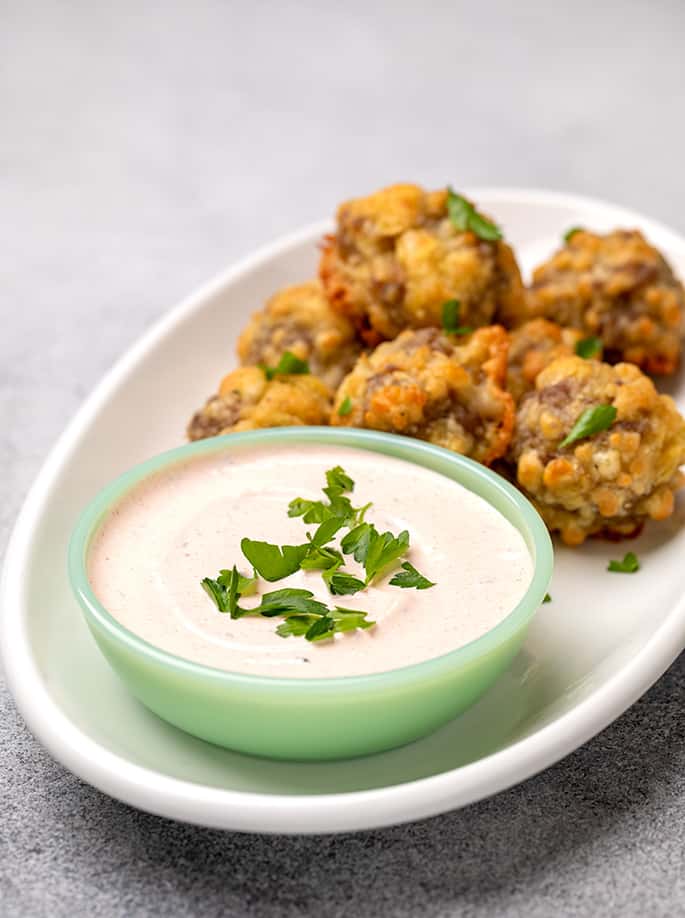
<point>538,542</point>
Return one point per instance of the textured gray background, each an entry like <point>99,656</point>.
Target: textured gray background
<point>144,146</point>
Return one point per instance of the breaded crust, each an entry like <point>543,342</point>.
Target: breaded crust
<point>619,287</point>
<point>396,257</point>
<point>301,320</point>
<point>533,346</point>
<point>246,400</point>
<point>447,390</point>
<point>608,483</point>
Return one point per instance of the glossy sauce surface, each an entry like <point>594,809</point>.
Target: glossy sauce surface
<point>148,558</point>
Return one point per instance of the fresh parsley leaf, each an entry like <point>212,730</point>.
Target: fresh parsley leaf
<point>451,310</point>
<point>339,479</point>
<point>465,217</point>
<point>321,629</point>
<point>547,598</point>
<point>287,602</point>
<point>273,562</point>
<point>227,589</point>
<point>409,577</point>
<point>570,233</point>
<point>589,347</point>
<point>341,583</point>
<point>349,619</point>
<point>326,531</point>
<point>593,420</point>
<point>338,482</point>
<point>216,592</point>
<point>384,548</point>
<point>296,625</point>
<point>345,407</point>
<point>357,541</point>
<point>289,364</point>
<point>629,565</point>
<point>246,586</point>
<point>322,559</point>
<point>450,315</point>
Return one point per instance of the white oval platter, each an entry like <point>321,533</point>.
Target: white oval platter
<point>601,642</point>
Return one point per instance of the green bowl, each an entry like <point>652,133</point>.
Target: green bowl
<point>315,718</point>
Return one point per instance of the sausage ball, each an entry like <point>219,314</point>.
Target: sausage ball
<point>620,288</point>
<point>533,346</point>
<point>246,400</point>
<point>447,390</point>
<point>608,482</point>
<point>396,257</point>
<point>300,319</point>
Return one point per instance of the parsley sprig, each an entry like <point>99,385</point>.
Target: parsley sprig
<point>589,347</point>
<point>289,364</point>
<point>629,565</point>
<point>593,420</point>
<point>302,614</point>
<point>451,311</point>
<point>464,217</point>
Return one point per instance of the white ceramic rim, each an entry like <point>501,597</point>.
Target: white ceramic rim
<point>278,813</point>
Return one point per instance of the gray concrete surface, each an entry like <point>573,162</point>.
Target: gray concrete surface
<point>145,145</point>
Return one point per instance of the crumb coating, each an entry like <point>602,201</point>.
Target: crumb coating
<point>609,483</point>
<point>620,288</point>
<point>300,319</point>
<point>533,346</point>
<point>445,389</point>
<point>396,257</point>
<point>246,400</point>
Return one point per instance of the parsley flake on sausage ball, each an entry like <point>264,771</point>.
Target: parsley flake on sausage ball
<point>300,319</point>
<point>445,389</point>
<point>399,254</point>
<point>598,449</point>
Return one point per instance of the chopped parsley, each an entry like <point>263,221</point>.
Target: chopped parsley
<point>570,233</point>
<point>547,598</point>
<point>228,587</point>
<point>465,217</point>
<point>345,407</point>
<point>340,583</point>
<point>589,347</point>
<point>629,565</point>
<point>451,310</point>
<point>273,562</point>
<point>591,421</point>
<point>302,614</point>
<point>409,578</point>
<point>289,364</point>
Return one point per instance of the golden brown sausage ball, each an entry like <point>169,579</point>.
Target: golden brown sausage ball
<point>533,346</point>
<point>396,257</point>
<point>609,482</point>
<point>246,400</point>
<point>300,319</point>
<point>446,390</point>
<point>620,288</point>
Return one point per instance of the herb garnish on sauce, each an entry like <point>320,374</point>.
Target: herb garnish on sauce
<point>303,615</point>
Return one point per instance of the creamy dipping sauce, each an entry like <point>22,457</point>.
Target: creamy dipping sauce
<point>146,562</point>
